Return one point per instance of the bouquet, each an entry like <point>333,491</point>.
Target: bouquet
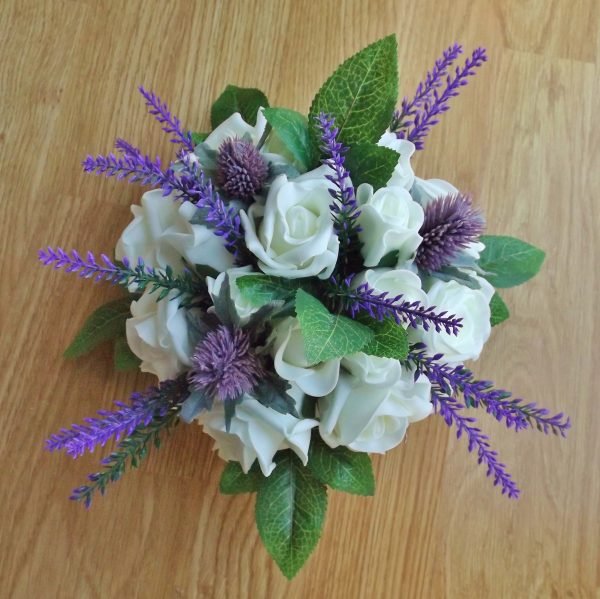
<point>301,294</point>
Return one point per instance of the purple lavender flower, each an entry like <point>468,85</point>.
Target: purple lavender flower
<point>224,366</point>
<point>451,224</point>
<point>241,170</point>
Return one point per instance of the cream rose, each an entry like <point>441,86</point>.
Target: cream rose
<point>473,306</point>
<point>403,175</point>
<point>372,370</point>
<point>295,237</point>
<point>157,334</point>
<point>394,281</point>
<point>373,418</point>
<point>290,361</point>
<point>258,432</point>
<point>161,234</point>
<point>390,221</point>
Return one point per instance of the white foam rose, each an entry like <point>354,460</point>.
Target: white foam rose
<point>236,126</point>
<point>258,432</point>
<point>473,306</point>
<point>291,364</point>
<point>243,307</point>
<point>390,221</point>
<point>161,234</point>
<point>403,174</point>
<point>157,334</point>
<point>372,370</point>
<point>292,234</point>
<point>373,418</point>
<point>394,281</point>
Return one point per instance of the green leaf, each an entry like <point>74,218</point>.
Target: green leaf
<point>260,290</point>
<point>292,129</point>
<point>290,512</point>
<point>390,340</point>
<point>341,468</point>
<point>198,138</point>
<point>272,392</point>
<point>508,261</point>
<point>327,336</point>
<point>361,94</point>
<point>499,310</point>
<point>244,100</point>
<point>124,358</point>
<point>390,260</point>
<point>370,163</point>
<point>104,324</point>
<point>235,481</point>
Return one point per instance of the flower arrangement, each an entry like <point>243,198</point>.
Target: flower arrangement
<point>302,295</point>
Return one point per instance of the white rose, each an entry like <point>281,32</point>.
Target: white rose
<point>236,126</point>
<point>161,234</point>
<point>390,220</point>
<point>157,334</point>
<point>373,418</point>
<point>243,307</point>
<point>403,175</point>
<point>290,361</point>
<point>395,281</point>
<point>258,432</point>
<point>295,238</point>
<point>372,370</point>
<point>473,306</point>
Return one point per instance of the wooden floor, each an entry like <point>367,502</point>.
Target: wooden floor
<point>524,138</point>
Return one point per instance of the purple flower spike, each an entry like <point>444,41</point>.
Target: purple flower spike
<point>224,365</point>
<point>451,224</point>
<point>241,170</point>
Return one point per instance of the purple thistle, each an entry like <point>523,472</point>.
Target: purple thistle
<point>241,170</point>
<point>142,409</point>
<point>451,224</point>
<point>224,365</point>
<point>381,305</point>
<point>171,124</point>
<point>450,410</point>
<point>425,89</point>
<point>429,114</point>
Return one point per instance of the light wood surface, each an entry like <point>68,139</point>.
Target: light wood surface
<point>523,138</point>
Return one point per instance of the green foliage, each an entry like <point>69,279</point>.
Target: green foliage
<point>272,392</point>
<point>261,290</point>
<point>390,260</point>
<point>341,468</point>
<point>327,336</point>
<point>390,339</point>
<point>361,94</point>
<point>508,261</point>
<point>235,481</point>
<point>292,129</point>
<point>499,310</point>
<point>124,358</point>
<point>104,324</point>
<point>198,138</point>
<point>290,512</point>
<point>370,163</point>
<point>244,100</point>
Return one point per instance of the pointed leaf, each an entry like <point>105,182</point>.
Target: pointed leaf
<point>244,100</point>
<point>390,339</point>
<point>125,359</point>
<point>370,163</point>
<point>271,392</point>
<point>235,481</point>
<point>499,310</point>
<point>260,290</point>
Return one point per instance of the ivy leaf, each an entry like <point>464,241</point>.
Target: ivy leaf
<point>370,163</point>
<point>290,512</point>
<point>235,481</point>
<point>390,339</point>
<point>341,468</point>
<point>292,129</point>
<point>271,392</point>
<point>104,324</point>
<point>499,310</point>
<point>198,138</point>
<point>508,261</point>
<point>124,358</point>
<point>361,94</point>
<point>245,100</point>
<point>327,336</point>
<point>260,290</point>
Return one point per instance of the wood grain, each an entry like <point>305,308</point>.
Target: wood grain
<point>523,138</point>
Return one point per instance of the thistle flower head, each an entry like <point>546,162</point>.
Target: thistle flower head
<point>451,224</point>
<point>224,365</point>
<point>241,170</point>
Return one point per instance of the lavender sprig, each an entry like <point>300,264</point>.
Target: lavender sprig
<point>141,276</point>
<point>425,89</point>
<point>171,124</point>
<point>344,208</point>
<point>381,305</point>
<point>437,104</point>
<point>455,380</point>
<point>450,410</point>
<point>142,409</point>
